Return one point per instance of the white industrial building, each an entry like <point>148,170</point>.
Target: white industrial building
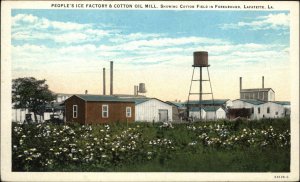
<point>261,109</point>
<point>18,115</point>
<point>152,109</point>
<point>208,113</point>
<point>61,97</point>
<point>264,94</point>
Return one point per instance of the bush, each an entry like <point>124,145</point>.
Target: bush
<point>103,147</point>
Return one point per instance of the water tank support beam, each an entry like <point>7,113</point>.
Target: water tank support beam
<point>201,61</point>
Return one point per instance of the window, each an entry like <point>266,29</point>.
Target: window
<point>75,110</point>
<point>128,112</point>
<point>258,110</point>
<point>104,111</point>
<point>268,110</point>
<point>252,110</point>
<point>276,113</point>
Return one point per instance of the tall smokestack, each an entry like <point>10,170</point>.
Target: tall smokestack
<point>241,84</point>
<point>111,77</point>
<point>104,81</point>
<point>263,82</point>
<point>134,93</point>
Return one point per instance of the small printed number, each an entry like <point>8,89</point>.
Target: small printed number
<point>281,177</point>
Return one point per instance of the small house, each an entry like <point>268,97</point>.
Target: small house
<point>208,113</point>
<point>194,113</point>
<point>94,109</point>
<point>214,113</point>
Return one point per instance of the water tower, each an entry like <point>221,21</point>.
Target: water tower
<point>200,61</point>
<point>141,88</point>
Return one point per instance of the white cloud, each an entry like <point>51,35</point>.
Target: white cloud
<point>43,23</point>
<point>271,21</point>
<point>71,37</point>
<point>29,27</point>
<point>165,42</point>
<point>121,38</point>
<point>134,48</point>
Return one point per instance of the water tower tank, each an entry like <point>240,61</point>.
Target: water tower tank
<point>142,88</point>
<point>201,59</point>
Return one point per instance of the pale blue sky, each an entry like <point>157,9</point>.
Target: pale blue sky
<point>151,47</point>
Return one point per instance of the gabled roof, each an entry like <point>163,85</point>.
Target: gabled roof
<point>256,89</point>
<point>139,100</point>
<point>208,102</point>
<point>252,101</point>
<point>108,98</point>
<point>282,102</point>
<point>177,104</point>
<point>142,100</point>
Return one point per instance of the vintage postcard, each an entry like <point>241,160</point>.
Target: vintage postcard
<point>149,91</point>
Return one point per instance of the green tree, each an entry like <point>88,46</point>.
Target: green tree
<point>32,94</point>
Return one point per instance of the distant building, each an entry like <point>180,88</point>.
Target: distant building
<point>208,113</point>
<point>194,113</point>
<point>262,109</point>
<point>152,109</point>
<point>224,103</point>
<point>178,110</point>
<point>264,94</point>
<point>95,109</point>
<point>62,97</point>
<point>54,108</point>
<point>286,105</point>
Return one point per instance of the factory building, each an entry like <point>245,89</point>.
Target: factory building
<point>95,109</point>
<point>261,109</point>
<point>264,94</point>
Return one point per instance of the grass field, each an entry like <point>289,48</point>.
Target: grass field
<point>223,146</point>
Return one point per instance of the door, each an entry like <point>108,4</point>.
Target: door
<point>163,115</point>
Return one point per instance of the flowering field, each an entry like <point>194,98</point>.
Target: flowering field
<point>215,146</point>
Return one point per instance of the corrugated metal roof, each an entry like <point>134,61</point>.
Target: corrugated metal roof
<point>108,98</point>
<point>208,102</point>
<point>282,102</point>
<point>252,101</point>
